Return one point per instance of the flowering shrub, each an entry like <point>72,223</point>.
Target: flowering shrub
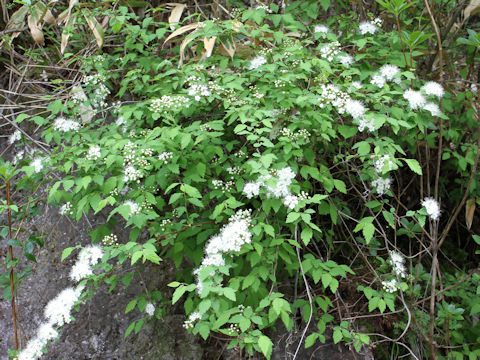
<point>304,159</point>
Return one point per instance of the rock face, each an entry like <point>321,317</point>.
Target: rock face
<point>99,325</point>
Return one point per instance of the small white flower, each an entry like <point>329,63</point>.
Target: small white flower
<point>378,80</point>
<point>46,332</point>
<point>366,124</point>
<point>37,164</point>
<point>433,88</point>
<point>80,271</point>
<point>17,135</point>
<point>290,201</point>
<point>150,309</point>
<point>382,185</point>
<point>415,99</point>
<point>367,27</point>
<point>65,125</point>
<point>252,189</point>
<point>355,108</point>
<point>58,309</point>
<point>389,71</point>
<point>90,254</point>
<point>94,153</point>
<point>433,108</point>
<point>346,60</point>
<point>256,62</point>
<point>321,29</point>
<point>397,261</point>
<point>390,286</point>
<point>134,207</point>
<point>66,209</point>
<point>432,207</point>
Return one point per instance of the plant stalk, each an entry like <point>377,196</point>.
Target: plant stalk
<point>10,251</point>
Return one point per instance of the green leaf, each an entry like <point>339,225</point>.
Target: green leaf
<point>67,251</point>
<point>265,345</point>
<point>337,335</point>
<point>414,166</point>
<point>130,306</point>
<point>177,294</point>
<point>306,235</point>
<point>368,231</point>
<point>229,293</point>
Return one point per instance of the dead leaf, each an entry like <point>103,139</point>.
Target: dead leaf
<point>183,45</point>
<point>176,14</point>
<point>95,27</point>
<point>35,30</point>
<point>229,47</point>
<point>17,21</point>
<point>181,30</point>
<point>469,211</point>
<point>208,45</point>
<point>49,18</point>
<point>66,32</point>
<point>471,9</point>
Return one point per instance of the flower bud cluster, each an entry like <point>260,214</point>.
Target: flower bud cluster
<point>66,209</point>
<point>110,240</point>
<point>165,157</point>
<point>194,316</point>
<point>390,286</point>
<point>330,51</point>
<point>65,125</point>
<point>168,102</point>
<point>94,153</point>
<point>225,186</point>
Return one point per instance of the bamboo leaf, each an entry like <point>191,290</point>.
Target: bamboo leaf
<point>176,14</point>
<point>181,30</point>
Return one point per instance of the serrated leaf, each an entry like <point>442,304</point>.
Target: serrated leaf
<point>265,345</point>
<point>177,294</point>
<point>229,293</point>
<point>130,306</point>
<point>337,335</point>
<point>414,166</point>
<point>368,231</point>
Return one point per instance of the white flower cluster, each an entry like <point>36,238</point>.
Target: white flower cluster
<point>346,60</point>
<point>386,73</point>
<point>110,240</point>
<point>87,258</point>
<point>321,29</point>
<point>94,153</point>
<point>225,186</point>
<point>282,181</point>
<point>18,157</point>
<point>65,125</point>
<point>369,27</point>
<point>164,223</point>
<point>17,135</point>
<point>230,239</point>
<point>398,263</point>
<point>295,136</point>
<point>415,99</point>
<point>194,316</point>
<point>169,102</point>
<point>134,207</point>
<point>432,207</point>
<point>383,164</point>
<point>58,311</point>
<point>382,185</point>
<point>165,157</point>
<point>433,88</point>
<point>256,62</point>
<point>198,91</point>
<point>331,94</point>
<point>100,90</point>
<point>132,174</point>
<point>234,170</point>
<point>150,309</point>
<point>390,286</point>
<point>66,209</point>
<point>264,7</point>
<point>330,51</point>
<point>37,164</point>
